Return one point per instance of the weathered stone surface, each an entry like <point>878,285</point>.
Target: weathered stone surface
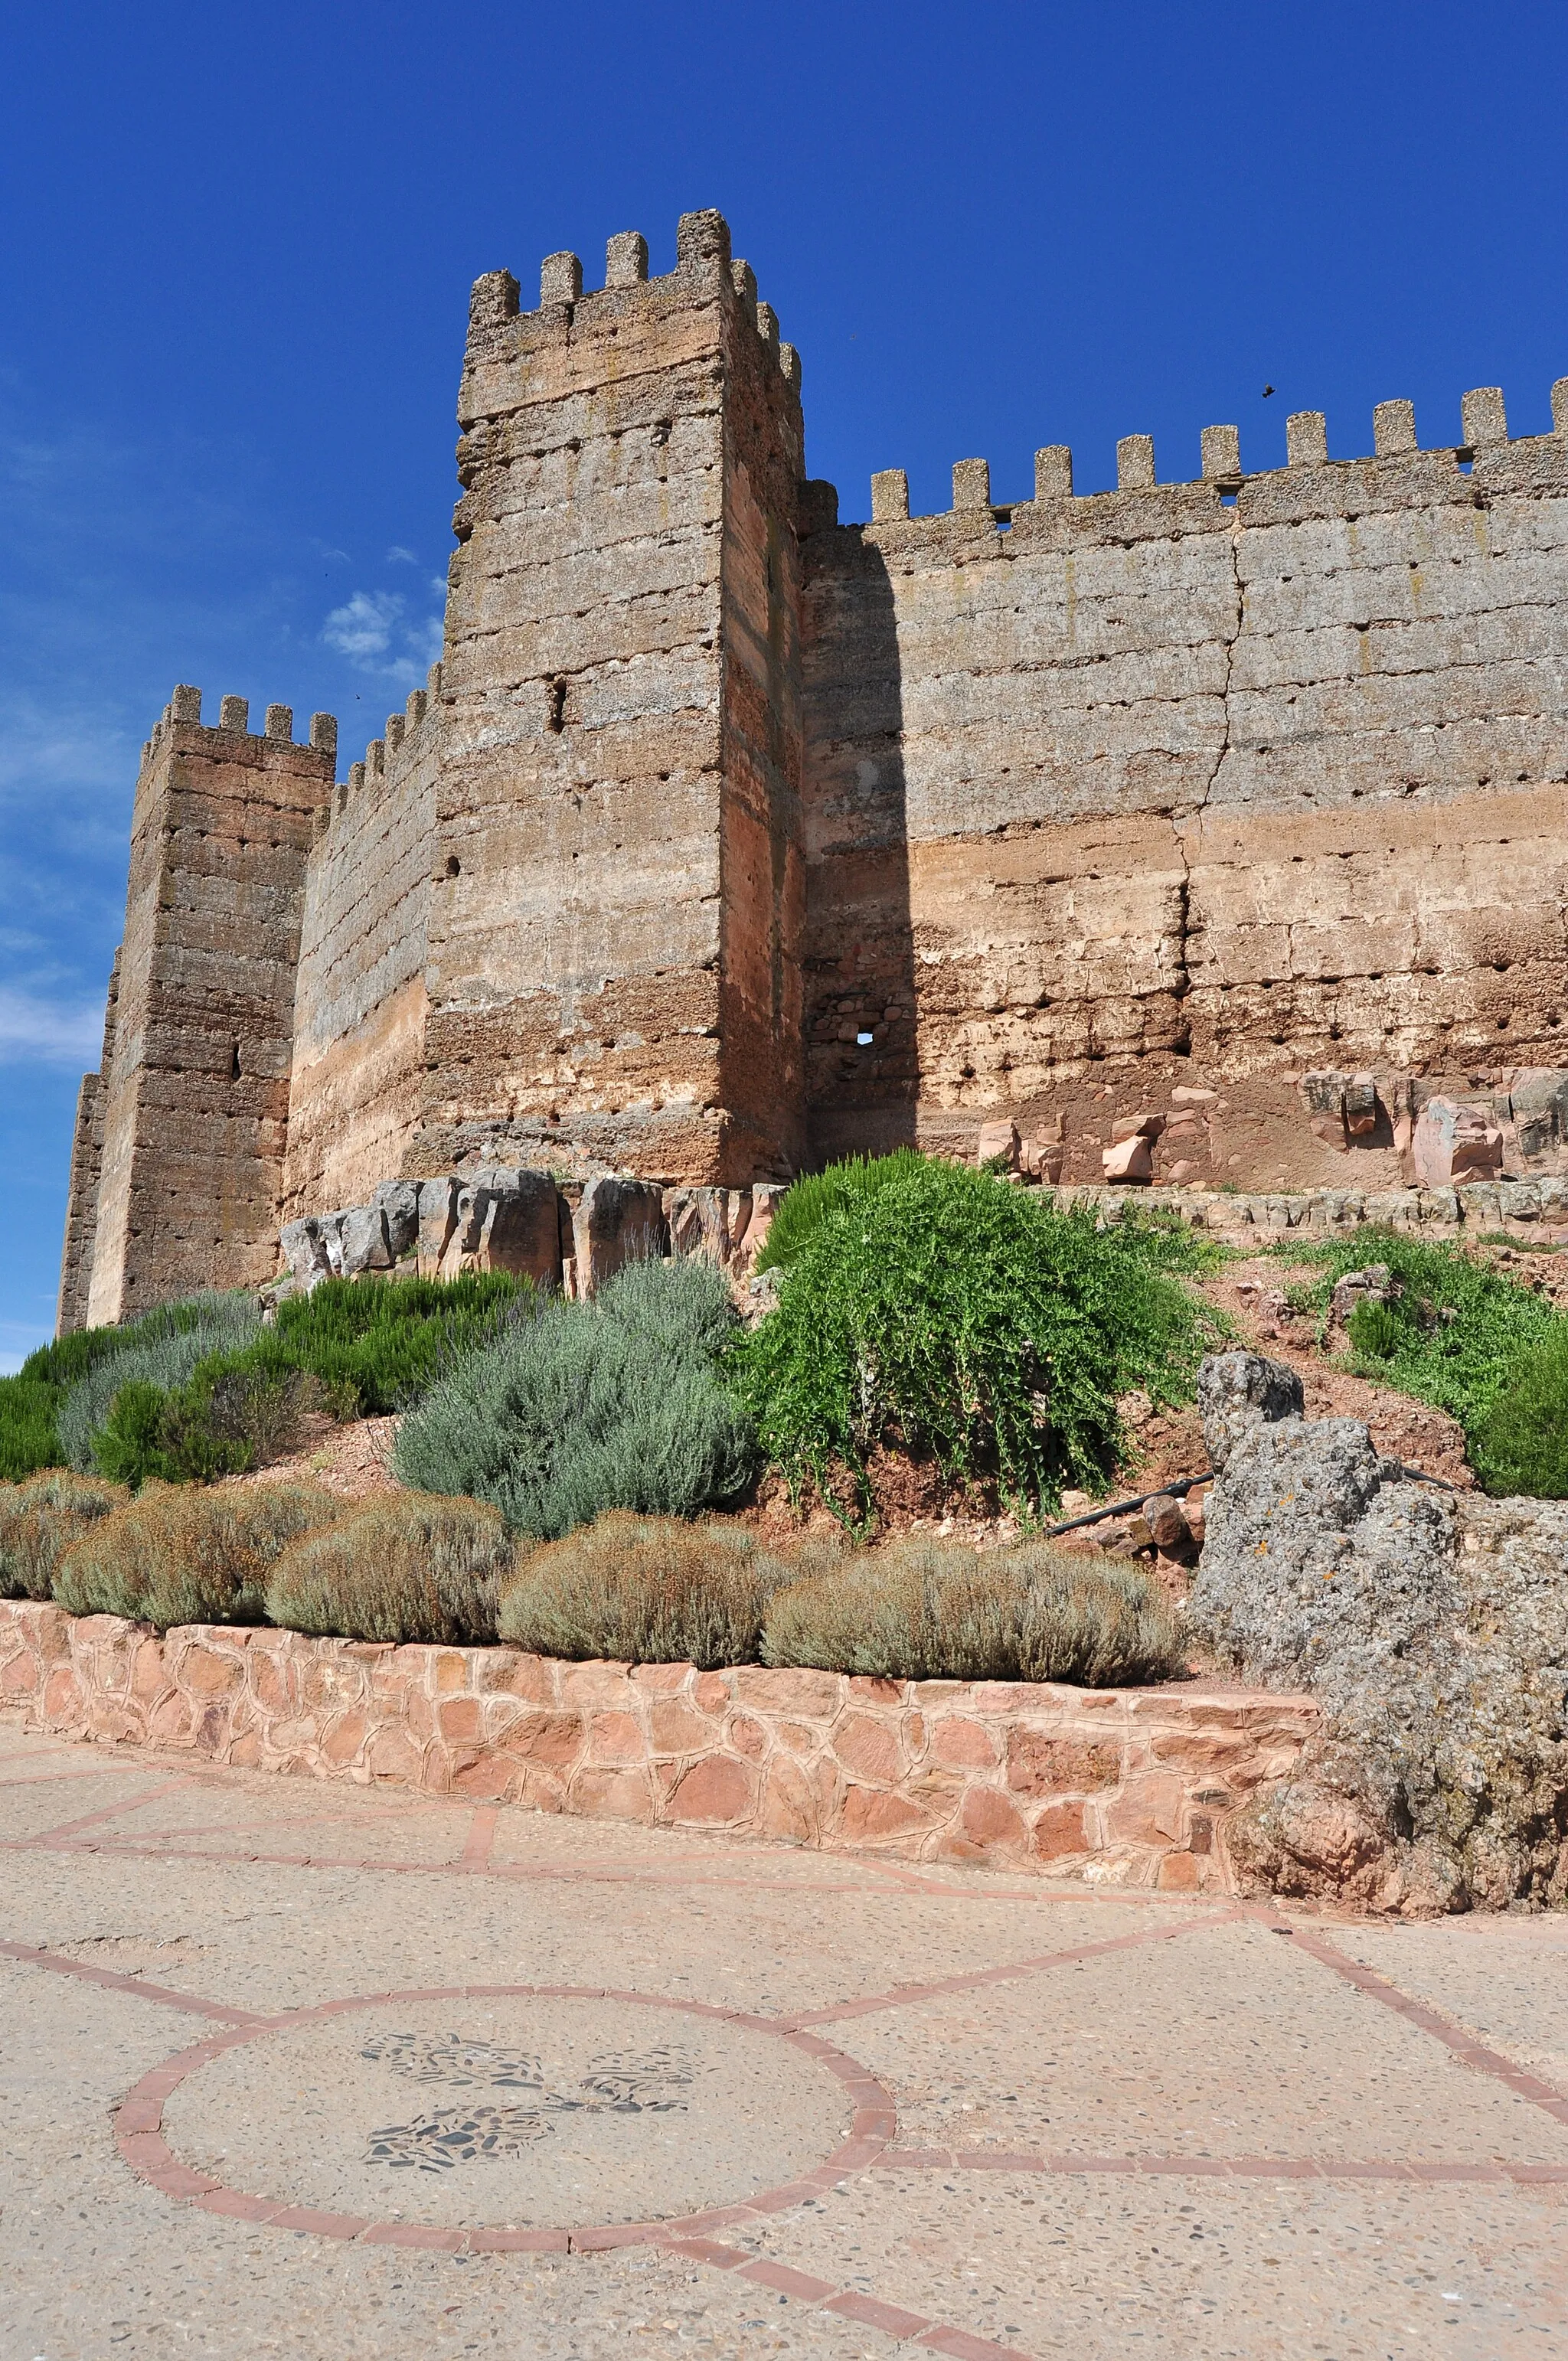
<point>726,836</point>
<point>1238,1391</point>
<point>1433,1627</point>
<point>616,1222</point>
<point>1033,1778</point>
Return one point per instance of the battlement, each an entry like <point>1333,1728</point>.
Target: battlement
<point>184,712</point>
<point>498,327</point>
<point>1397,467</point>
<point>400,743</point>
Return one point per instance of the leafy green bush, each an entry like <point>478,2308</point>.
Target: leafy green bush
<point>409,1566</point>
<point>29,1436</point>
<point>1520,1446</point>
<point>1375,1331</point>
<point>648,1590</point>
<point>957,1316</point>
<point>175,1554</point>
<point>39,1520</point>
<point>841,1189</point>
<point>1452,1334</point>
<point>576,1408</point>
<point>922,1609</point>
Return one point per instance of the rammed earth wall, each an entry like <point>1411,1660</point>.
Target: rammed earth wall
<point>728,838</point>
<point>1122,1786</point>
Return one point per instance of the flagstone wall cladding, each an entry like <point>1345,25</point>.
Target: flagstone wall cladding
<point>729,836</point>
<point>1116,1785</point>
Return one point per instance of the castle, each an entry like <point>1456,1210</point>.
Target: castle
<point>729,836</point>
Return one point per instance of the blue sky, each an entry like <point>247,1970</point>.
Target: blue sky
<point>238,242</point>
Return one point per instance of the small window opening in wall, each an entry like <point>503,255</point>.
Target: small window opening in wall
<point>863,1040</point>
<point>454,866</point>
<point>234,1062</point>
<point>557,708</point>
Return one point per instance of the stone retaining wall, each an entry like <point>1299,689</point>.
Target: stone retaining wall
<point>1120,1786</point>
<point>1525,1208</point>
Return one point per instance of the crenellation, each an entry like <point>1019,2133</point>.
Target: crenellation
<point>1220,454</point>
<point>726,836</point>
<point>626,259</point>
<point>971,484</point>
<point>890,496</point>
<point>1394,429</point>
<point>560,280</point>
<point>1484,417</point>
<point>1053,473</point>
<point>1307,439</point>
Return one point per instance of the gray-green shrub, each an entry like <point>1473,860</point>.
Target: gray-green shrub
<point>412,1566</point>
<point>923,1609</point>
<point>650,1590</point>
<point>39,1520</point>
<point>175,1554</point>
<point>578,1408</point>
<point>162,1350</point>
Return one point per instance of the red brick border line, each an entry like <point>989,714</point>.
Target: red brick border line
<point>849,2303</point>
<point>476,1852</point>
<point>904,1995</point>
<point>139,2129</point>
<point>163,1994</point>
<point>1218,2168</point>
<point>1452,2034</point>
<point>64,1831</point>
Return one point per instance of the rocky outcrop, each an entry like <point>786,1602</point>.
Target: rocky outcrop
<point>496,1217</point>
<point>1431,1626</point>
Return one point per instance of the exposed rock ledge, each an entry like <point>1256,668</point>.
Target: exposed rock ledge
<point>1431,1626</point>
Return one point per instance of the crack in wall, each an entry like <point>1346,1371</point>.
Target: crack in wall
<point>1179,827</point>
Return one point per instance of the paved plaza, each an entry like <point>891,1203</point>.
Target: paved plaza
<point>324,2073</point>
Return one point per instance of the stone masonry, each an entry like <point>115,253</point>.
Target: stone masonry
<point>1225,816</point>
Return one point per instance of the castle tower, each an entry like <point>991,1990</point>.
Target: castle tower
<point>616,887</point>
<point>187,1124</point>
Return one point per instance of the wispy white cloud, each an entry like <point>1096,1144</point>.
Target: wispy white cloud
<point>398,555</point>
<point>376,633</point>
<point>45,1032</point>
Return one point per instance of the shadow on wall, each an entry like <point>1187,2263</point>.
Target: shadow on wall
<point>863,1058</point>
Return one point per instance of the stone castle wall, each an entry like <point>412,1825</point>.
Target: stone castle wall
<point>728,838</point>
<point>1216,781</point>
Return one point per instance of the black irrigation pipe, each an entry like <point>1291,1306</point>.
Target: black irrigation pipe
<point>1179,1492</point>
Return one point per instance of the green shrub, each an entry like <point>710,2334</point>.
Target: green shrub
<point>841,1189</point>
<point>648,1590</point>
<point>1521,1445</point>
<point>1376,1331</point>
<point>30,1435</point>
<point>377,1343</point>
<point>1453,1333</point>
<point>578,1408</point>
<point>161,1350</point>
<point>409,1566</point>
<point>956,1316</point>
<point>39,1520</point>
<point>920,1610</point>
<point>175,1554</point>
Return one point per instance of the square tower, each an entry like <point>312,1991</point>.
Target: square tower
<point>617,882</point>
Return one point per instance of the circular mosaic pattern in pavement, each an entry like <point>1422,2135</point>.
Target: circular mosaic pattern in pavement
<point>507,2108</point>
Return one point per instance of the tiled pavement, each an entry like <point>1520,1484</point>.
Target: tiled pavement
<point>296,2071</point>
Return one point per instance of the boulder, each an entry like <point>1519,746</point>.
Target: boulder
<point>398,1203</point>
<point>1129,1159</point>
<point>1433,1628</point>
<point>1137,1126</point>
<point>1453,1144</point>
<point>999,1138</point>
<point>1168,1529</point>
<point>365,1245</point>
<point>1361,1107</point>
<point>1237,1391</point>
<point>437,1220</point>
<point>506,1220</point>
<point>1373,1285</point>
<point>617,1222</point>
